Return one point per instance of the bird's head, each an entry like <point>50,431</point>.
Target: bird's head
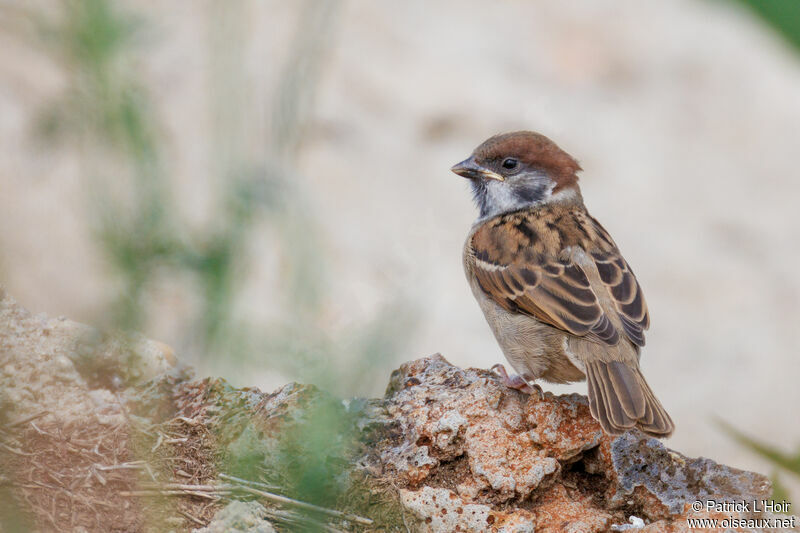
<point>516,170</point>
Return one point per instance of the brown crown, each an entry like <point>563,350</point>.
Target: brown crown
<point>533,149</point>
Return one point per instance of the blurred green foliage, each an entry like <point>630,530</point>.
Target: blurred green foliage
<point>782,15</point>
<point>107,114</point>
<point>781,462</point>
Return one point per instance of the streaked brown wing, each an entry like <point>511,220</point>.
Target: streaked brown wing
<point>520,261</point>
<point>623,288</point>
<point>557,293</point>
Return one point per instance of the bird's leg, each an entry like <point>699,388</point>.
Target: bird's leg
<point>516,381</point>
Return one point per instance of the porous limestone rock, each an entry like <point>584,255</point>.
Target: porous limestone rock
<point>470,452</point>
<point>446,449</point>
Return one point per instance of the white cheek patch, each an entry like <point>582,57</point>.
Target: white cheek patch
<point>501,198</point>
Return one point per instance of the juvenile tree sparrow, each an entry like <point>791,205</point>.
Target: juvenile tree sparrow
<point>561,300</point>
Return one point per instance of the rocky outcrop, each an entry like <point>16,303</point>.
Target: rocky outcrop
<point>137,443</point>
<point>473,455</point>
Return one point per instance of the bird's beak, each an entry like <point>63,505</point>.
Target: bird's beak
<point>470,169</point>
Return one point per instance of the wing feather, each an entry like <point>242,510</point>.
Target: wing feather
<point>624,288</point>
<point>521,263</point>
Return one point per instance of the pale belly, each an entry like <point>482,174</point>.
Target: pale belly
<point>534,349</point>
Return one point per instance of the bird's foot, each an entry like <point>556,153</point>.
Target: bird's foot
<point>517,382</point>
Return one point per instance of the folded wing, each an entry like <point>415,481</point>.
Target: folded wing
<point>519,261</point>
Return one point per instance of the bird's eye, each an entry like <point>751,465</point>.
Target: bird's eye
<point>510,163</point>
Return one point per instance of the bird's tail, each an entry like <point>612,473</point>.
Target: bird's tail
<point>620,398</point>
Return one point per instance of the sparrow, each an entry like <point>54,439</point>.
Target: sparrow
<point>561,300</point>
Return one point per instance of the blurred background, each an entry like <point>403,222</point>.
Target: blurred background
<point>264,185</point>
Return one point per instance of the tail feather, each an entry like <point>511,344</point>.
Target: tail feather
<point>593,404</point>
<point>630,394</point>
<point>661,420</point>
<point>649,415</point>
<point>613,406</point>
<point>620,399</point>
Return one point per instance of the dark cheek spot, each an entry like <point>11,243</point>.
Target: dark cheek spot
<point>530,192</point>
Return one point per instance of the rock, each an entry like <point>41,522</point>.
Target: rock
<point>442,510</point>
<point>52,356</point>
<point>467,442</point>
<point>446,449</point>
<point>465,453</point>
<point>674,479</point>
<point>447,415</point>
